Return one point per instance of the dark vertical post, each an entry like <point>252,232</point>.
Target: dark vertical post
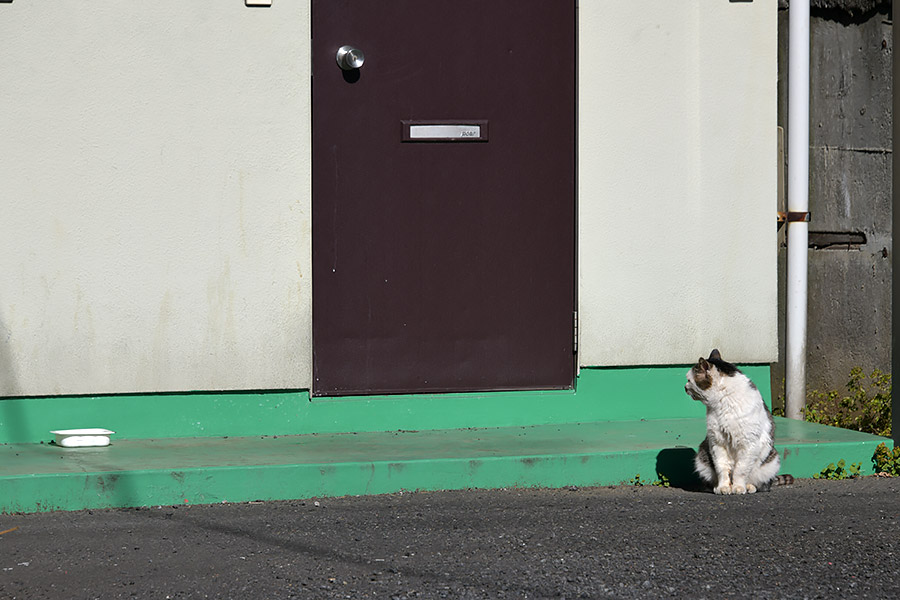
<point>895,219</point>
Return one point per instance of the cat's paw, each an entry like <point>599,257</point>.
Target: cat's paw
<point>738,489</point>
<point>725,489</point>
<point>751,489</point>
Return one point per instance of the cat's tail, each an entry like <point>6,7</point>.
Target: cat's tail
<point>783,480</point>
<point>777,480</point>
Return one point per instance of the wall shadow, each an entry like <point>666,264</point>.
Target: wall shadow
<point>344,553</point>
<point>677,466</point>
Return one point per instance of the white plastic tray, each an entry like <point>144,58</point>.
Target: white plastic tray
<point>82,438</point>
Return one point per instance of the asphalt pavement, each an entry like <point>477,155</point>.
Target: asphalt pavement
<point>814,539</point>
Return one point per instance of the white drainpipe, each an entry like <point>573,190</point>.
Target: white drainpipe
<point>798,208</point>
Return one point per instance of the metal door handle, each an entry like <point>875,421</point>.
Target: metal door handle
<point>350,58</point>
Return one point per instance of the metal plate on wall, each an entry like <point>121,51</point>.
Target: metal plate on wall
<point>445,131</point>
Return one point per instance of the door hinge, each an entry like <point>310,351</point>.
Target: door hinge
<point>575,334</point>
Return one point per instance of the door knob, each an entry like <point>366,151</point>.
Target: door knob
<point>350,58</point>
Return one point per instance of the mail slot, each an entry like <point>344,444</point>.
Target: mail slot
<point>445,131</point>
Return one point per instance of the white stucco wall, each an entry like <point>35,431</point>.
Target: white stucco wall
<point>155,191</point>
<point>677,181</point>
<point>154,187</point>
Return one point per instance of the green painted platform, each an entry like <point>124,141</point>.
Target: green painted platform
<point>208,447</point>
<point>42,476</point>
<point>613,394</point>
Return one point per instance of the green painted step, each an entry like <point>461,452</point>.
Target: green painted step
<point>607,394</point>
<point>42,477</point>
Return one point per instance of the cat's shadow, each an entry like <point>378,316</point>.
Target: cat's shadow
<point>676,466</point>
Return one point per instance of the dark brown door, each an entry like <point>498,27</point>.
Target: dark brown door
<point>443,196</point>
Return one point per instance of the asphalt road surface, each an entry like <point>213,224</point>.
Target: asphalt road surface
<point>815,539</point>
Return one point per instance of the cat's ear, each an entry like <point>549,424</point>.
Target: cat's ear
<point>703,364</point>
<point>714,355</point>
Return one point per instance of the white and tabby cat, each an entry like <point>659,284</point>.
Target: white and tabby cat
<point>738,455</point>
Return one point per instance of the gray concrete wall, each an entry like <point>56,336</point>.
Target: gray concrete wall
<point>850,190</point>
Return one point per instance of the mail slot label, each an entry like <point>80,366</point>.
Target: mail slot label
<point>444,131</point>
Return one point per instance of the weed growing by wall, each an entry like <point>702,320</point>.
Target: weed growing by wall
<point>865,406</point>
<point>839,471</point>
<point>886,460</point>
